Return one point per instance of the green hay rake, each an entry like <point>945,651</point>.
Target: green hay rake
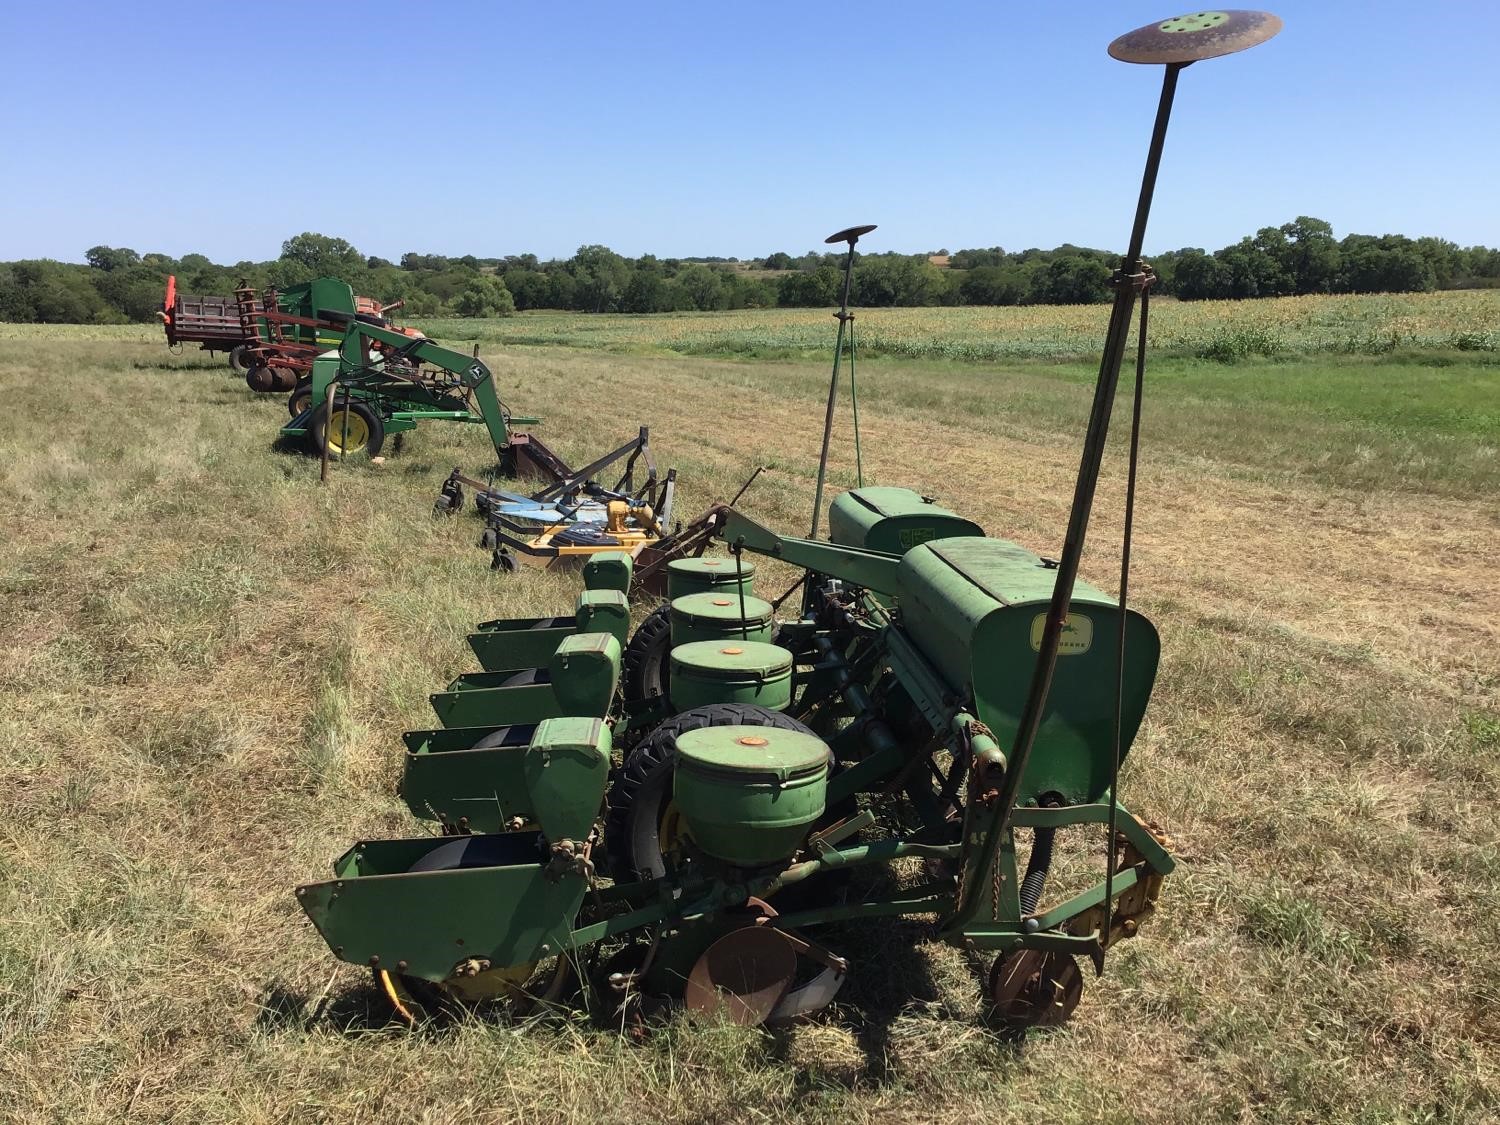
<point>684,815</point>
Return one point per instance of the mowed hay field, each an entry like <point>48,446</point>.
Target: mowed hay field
<point>206,660</point>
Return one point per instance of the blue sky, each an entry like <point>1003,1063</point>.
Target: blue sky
<point>731,129</point>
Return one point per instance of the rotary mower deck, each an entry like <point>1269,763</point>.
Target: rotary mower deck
<point>672,816</point>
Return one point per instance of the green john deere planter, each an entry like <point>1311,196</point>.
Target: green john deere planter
<point>672,822</point>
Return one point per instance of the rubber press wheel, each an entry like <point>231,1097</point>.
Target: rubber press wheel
<point>642,825</point>
<point>646,660</point>
<point>365,433</point>
<point>239,359</point>
<point>519,988</point>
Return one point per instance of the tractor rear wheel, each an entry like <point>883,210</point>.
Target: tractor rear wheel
<point>642,825</point>
<point>645,662</point>
<point>239,359</point>
<point>520,988</point>
<point>362,425</point>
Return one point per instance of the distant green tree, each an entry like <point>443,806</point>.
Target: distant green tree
<point>1069,279</point>
<point>777,261</point>
<point>1388,264</point>
<point>993,285</point>
<point>1311,254</point>
<point>109,258</point>
<point>485,296</point>
<point>808,288</point>
<point>1252,271</point>
<point>702,288</point>
<point>62,294</point>
<point>528,287</point>
<point>647,289</point>
<point>1197,276</point>
<point>600,277</point>
<point>319,255</point>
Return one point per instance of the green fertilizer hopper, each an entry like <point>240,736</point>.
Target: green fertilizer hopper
<point>956,711</point>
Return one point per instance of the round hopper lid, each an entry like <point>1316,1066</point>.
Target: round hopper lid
<point>721,607</point>
<point>721,569</point>
<point>755,658</point>
<point>753,751</point>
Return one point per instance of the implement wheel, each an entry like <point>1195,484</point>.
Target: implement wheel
<point>365,431</point>
<point>300,398</point>
<point>642,825</point>
<point>644,663</point>
<point>519,988</point>
<point>239,359</point>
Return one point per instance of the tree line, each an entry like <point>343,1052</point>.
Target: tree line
<point>119,285</point>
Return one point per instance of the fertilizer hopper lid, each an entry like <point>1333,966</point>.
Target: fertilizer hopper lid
<point>1197,35</point>
<point>722,607</point>
<point>733,658</point>
<point>720,569</point>
<point>750,753</point>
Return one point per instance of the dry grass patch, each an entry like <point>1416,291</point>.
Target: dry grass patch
<point>206,660</point>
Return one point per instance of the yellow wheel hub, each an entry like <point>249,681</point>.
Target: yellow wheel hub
<point>358,432</point>
<point>672,831</point>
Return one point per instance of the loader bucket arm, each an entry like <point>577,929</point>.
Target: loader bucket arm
<point>471,371</point>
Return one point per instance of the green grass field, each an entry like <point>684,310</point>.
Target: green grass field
<point>206,660</point>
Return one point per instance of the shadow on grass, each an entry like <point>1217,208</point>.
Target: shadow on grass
<point>351,1011</point>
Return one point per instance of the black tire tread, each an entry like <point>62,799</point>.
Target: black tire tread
<point>652,636</point>
<point>661,746</point>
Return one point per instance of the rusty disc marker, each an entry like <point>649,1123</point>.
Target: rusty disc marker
<point>850,234</point>
<point>1197,35</point>
<point>746,973</point>
<point>1035,989</point>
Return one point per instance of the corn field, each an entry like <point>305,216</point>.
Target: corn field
<point>1465,320</point>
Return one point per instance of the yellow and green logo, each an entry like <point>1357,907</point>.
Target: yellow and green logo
<point>1077,634</point>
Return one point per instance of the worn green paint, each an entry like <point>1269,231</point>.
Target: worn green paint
<point>892,520</point>
<point>582,676</point>
<point>709,574</point>
<point>732,671</point>
<point>750,794</point>
<point>585,672</point>
<point>527,642</point>
<point>604,611</point>
<point>445,779</point>
<point>716,616</point>
<point>870,569</point>
<point>549,776</point>
<point>608,570</point>
<point>567,769</point>
<point>973,606</point>
<point>432,921</point>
